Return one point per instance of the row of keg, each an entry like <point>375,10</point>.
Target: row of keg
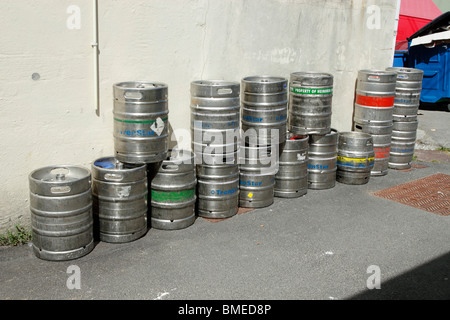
<point>309,155</point>
<point>386,106</point>
<point>69,204</point>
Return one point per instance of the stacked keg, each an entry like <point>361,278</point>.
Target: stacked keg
<point>322,160</point>
<point>356,158</point>
<point>373,113</point>
<point>406,105</point>
<point>140,122</point>
<point>173,192</point>
<point>264,101</point>
<point>257,176</point>
<point>61,212</point>
<point>141,131</point>
<point>310,110</point>
<point>264,110</point>
<point>291,180</point>
<point>215,137</point>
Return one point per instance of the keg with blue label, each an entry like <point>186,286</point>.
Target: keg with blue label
<point>140,122</point>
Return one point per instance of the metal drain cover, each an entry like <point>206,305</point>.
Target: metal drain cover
<point>431,194</point>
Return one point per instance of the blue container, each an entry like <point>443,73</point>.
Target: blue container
<point>400,58</point>
<point>435,63</point>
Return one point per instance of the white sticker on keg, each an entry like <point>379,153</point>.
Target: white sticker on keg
<point>300,157</point>
<point>158,126</point>
<point>123,192</point>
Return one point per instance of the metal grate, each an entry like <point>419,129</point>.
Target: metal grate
<point>431,194</point>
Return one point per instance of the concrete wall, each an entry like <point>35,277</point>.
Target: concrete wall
<point>47,105</point>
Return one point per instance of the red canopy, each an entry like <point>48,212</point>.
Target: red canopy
<point>414,14</point>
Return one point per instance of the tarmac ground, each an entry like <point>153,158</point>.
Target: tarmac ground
<point>340,243</point>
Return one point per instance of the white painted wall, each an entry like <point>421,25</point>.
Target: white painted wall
<point>52,120</point>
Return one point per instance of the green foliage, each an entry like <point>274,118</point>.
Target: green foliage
<point>443,149</point>
<point>16,237</point>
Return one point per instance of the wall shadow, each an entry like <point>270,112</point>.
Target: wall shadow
<point>430,281</point>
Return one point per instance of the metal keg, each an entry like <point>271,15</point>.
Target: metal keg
<point>405,118</point>
<point>61,212</point>
<point>215,117</point>
<point>140,122</point>
<point>310,102</point>
<point>355,159</point>
<point>375,95</point>
<point>291,180</point>
<point>381,136</point>
<point>373,114</point>
<point>322,158</point>
<point>264,101</point>
<point>257,169</point>
<point>120,199</point>
<point>403,144</point>
<point>217,190</point>
<point>173,192</point>
<point>407,90</point>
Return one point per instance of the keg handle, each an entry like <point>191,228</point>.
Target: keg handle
<point>59,190</point>
<point>133,95</point>
<point>113,177</point>
<point>224,91</point>
<point>373,78</point>
<point>169,167</point>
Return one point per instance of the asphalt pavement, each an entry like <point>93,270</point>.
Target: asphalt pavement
<point>334,244</point>
<point>325,245</point>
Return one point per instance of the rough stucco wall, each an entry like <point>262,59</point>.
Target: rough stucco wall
<point>52,120</point>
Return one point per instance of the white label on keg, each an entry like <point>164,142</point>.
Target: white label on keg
<point>300,157</point>
<point>123,192</point>
<point>158,126</point>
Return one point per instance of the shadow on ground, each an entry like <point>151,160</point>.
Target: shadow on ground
<point>430,281</point>
<point>439,106</point>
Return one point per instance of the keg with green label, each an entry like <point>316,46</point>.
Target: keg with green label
<point>173,192</point>
<point>310,102</point>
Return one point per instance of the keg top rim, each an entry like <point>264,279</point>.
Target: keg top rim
<point>214,83</point>
<point>264,79</point>
<point>404,70</point>
<point>311,74</point>
<point>378,72</point>
<point>49,175</point>
<point>140,85</point>
<point>110,163</point>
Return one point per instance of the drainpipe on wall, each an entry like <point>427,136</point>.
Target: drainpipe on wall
<point>96,58</point>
